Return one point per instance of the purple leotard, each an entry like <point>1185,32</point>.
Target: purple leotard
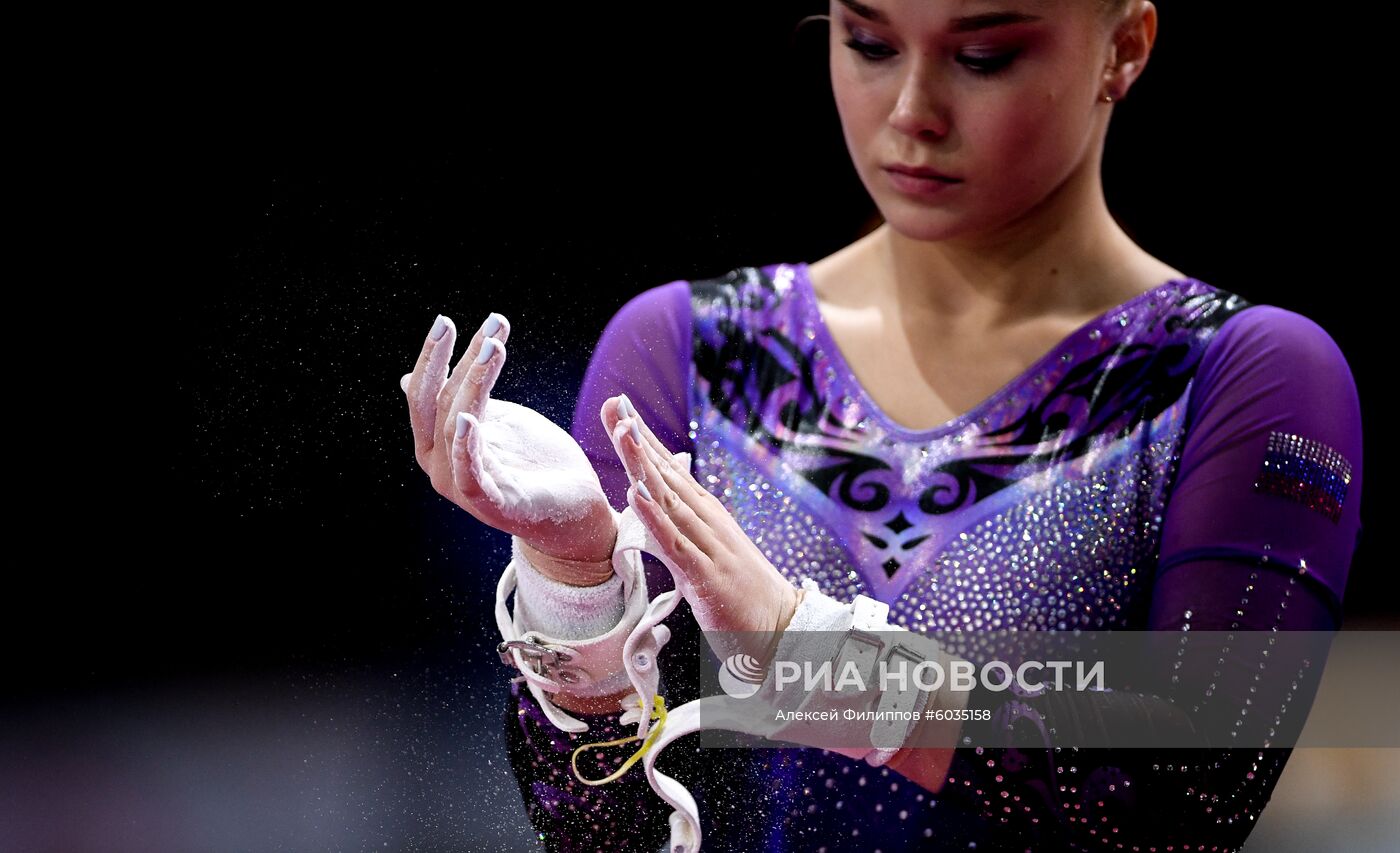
<point>1186,460</point>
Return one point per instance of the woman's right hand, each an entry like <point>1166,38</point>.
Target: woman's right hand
<point>506,464</point>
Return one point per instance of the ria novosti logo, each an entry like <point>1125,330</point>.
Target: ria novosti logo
<point>740,676</point>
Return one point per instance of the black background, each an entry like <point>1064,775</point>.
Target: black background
<point>260,219</point>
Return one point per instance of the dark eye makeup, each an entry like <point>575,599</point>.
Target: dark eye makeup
<point>982,65</point>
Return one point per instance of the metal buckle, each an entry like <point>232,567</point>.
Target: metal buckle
<point>909,653</point>
<point>853,638</point>
<point>542,655</point>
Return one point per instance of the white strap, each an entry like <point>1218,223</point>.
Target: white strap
<point>642,649</point>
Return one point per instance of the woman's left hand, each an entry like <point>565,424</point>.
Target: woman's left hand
<point>730,584</point>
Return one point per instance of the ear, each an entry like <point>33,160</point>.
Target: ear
<point>1133,36</point>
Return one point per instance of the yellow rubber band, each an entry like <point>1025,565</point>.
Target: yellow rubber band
<point>658,714</point>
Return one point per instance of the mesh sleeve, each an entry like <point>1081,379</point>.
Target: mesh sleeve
<point>1270,471</point>
<point>644,352</point>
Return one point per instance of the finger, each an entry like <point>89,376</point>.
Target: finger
<point>475,389</point>
<point>481,377</point>
<point>466,465</point>
<point>721,528</point>
<point>659,452</point>
<point>723,533</point>
<point>627,450</point>
<point>494,326</point>
<point>612,411</point>
<point>616,408</point>
<point>679,554</point>
<point>470,471</point>
<point>427,380</point>
<point>475,375</point>
<point>678,505</point>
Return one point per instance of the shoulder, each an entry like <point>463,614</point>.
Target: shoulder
<point>1271,369</point>
<point>1265,337</point>
<point>657,304</point>
<point>749,297</point>
<point>651,323</point>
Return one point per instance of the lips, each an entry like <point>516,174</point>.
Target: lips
<point>920,187</point>
<point>922,172</point>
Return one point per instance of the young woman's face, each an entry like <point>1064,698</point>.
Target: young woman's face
<point>1002,95</point>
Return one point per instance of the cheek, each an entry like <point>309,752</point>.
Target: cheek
<point>861,121</point>
<point>863,101</point>
<point>1026,135</point>
<point>863,125</point>
<point>848,103</point>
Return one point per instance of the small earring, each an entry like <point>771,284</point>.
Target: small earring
<point>1106,98</point>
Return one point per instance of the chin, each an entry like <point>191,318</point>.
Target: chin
<point>915,223</point>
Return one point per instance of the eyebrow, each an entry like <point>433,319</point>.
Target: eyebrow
<point>966,24</point>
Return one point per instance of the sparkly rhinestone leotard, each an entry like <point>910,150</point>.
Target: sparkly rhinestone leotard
<point>1186,460</point>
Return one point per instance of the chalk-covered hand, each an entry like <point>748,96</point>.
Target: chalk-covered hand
<point>506,464</point>
<point>730,585</point>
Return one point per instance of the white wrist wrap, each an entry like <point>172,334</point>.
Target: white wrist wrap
<point>564,610</point>
<point>584,667</point>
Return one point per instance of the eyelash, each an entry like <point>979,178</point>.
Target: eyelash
<point>992,64</point>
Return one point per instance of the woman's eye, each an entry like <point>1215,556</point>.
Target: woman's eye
<point>987,65</point>
<point>871,52</point>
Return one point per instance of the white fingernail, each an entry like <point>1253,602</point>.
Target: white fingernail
<point>461,424</point>
<point>643,490</point>
<point>488,349</point>
<point>625,405</point>
<point>492,324</point>
<point>403,382</point>
<point>439,328</point>
<point>636,433</point>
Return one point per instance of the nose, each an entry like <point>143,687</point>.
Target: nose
<point>920,110</point>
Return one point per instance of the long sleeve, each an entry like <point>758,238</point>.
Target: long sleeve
<point>644,351</point>
<point>1258,535</point>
